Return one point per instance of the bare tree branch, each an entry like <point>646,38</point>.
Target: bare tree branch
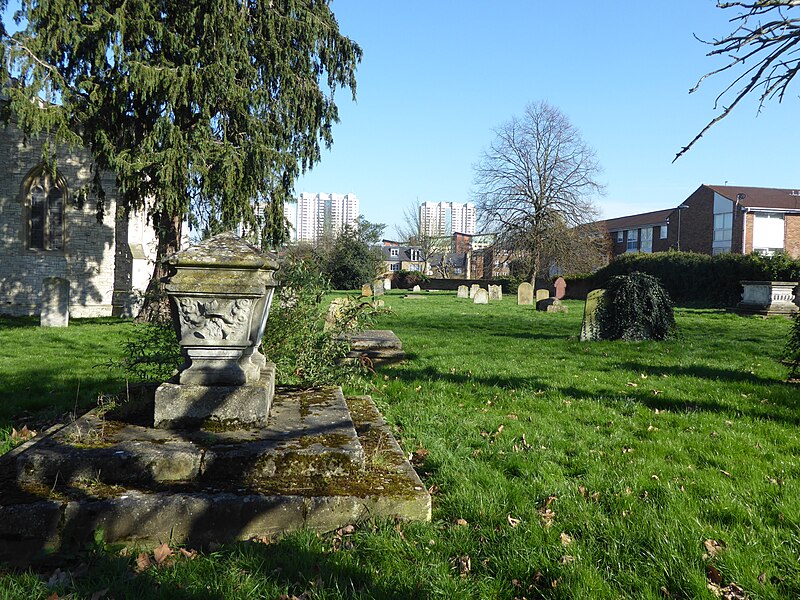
<point>774,45</point>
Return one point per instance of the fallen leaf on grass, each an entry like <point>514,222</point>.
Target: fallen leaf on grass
<point>547,517</point>
<point>714,549</point>
<point>512,521</point>
<point>142,562</point>
<point>762,578</point>
<point>567,559</point>
<point>651,428</point>
<point>463,564</point>
<point>192,554</point>
<point>729,592</point>
<point>23,435</point>
<point>632,384</point>
<point>53,596</point>
<point>162,553</point>
<point>714,576</point>
<point>461,522</point>
<point>419,456</point>
<point>566,540</point>
<point>725,473</point>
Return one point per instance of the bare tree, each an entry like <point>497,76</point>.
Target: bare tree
<point>414,234</point>
<point>763,54</point>
<point>537,177</point>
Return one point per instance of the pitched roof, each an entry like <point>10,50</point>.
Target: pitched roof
<point>657,217</point>
<point>755,197</point>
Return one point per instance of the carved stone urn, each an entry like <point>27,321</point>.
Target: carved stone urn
<point>220,294</point>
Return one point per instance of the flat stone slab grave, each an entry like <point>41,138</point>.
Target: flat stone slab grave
<point>321,462</point>
<point>378,344</point>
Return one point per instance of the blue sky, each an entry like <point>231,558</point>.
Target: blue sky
<point>439,75</point>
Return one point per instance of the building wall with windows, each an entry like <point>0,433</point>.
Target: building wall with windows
<point>446,218</point>
<point>714,220</point>
<point>50,228</point>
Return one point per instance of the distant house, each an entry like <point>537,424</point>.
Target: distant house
<point>49,228</point>
<point>713,220</point>
<point>397,257</point>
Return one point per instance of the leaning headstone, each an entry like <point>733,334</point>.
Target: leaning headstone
<point>525,294</point>
<point>551,305</point>
<point>377,288</point>
<point>495,292</point>
<point>55,302</point>
<point>542,295</point>
<point>561,288</point>
<point>481,297</point>
<point>416,288</point>
<point>463,291</point>
<point>473,290</point>
<point>366,290</point>
<point>589,328</point>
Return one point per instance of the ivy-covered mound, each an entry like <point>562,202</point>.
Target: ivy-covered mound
<point>635,307</point>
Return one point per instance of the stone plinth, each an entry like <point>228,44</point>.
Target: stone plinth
<point>321,462</point>
<point>768,298</point>
<point>186,405</point>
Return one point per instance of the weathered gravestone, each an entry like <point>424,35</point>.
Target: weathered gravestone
<point>542,295</point>
<point>416,288</point>
<point>551,305</point>
<point>481,297</point>
<point>377,288</point>
<point>561,288</point>
<point>387,283</point>
<point>463,291</point>
<point>495,292</point>
<point>366,290</point>
<point>525,294</point>
<point>55,302</point>
<point>473,289</point>
<point>589,328</point>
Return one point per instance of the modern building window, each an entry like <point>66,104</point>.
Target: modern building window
<point>768,232</point>
<point>633,241</point>
<point>647,240</point>
<point>44,197</point>
<point>723,225</point>
<point>663,233</point>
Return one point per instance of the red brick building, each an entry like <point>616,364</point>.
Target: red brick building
<point>713,220</point>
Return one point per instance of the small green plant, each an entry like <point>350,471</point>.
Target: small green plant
<point>635,307</point>
<point>791,354</point>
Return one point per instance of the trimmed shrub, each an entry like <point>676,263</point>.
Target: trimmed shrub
<point>691,278</point>
<point>791,354</point>
<point>635,307</point>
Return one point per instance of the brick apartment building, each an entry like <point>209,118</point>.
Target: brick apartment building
<point>713,220</point>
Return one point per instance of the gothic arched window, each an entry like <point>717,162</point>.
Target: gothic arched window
<point>45,196</point>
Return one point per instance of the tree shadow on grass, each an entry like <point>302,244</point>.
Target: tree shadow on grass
<point>779,409</point>
<point>289,565</point>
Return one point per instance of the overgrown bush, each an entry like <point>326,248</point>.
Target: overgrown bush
<point>403,280</point>
<point>305,352</point>
<point>635,307</point>
<point>692,278</point>
<point>296,339</point>
<point>791,353</point>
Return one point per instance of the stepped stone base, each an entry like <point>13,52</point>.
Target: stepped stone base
<point>321,462</point>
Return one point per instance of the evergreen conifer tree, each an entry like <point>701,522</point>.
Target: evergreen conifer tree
<point>202,107</point>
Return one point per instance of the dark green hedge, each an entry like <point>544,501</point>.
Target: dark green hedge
<point>698,279</point>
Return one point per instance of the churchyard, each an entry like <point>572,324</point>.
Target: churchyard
<point>558,468</point>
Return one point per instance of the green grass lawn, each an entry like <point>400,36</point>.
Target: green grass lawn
<point>559,469</point>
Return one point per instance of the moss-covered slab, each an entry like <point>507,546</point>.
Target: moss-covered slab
<point>322,462</point>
